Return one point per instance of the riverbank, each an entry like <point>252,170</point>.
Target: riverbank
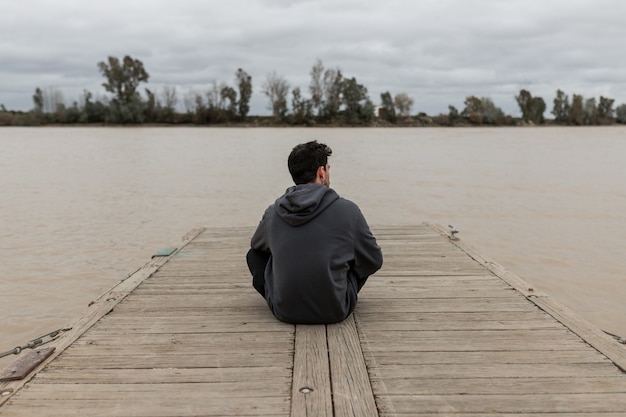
<point>12,118</point>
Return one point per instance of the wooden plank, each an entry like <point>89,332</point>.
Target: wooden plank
<point>472,305</point>
<point>55,375</point>
<point>440,330</point>
<point>139,358</point>
<point>311,390</point>
<point>590,333</point>
<point>416,323</point>
<point>245,388</point>
<point>498,370</point>
<point>23,366</point>
<point>352,391</point>
<point>445,357</point>
<point>517,386</point>
<point>160,406</point>
<point>566,404</point>
<point>388,413</point>
<point>96,311</point>
<point>373,318</point>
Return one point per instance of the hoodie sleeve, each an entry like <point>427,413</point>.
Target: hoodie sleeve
<point>260,241</point>
<point>368,256</point>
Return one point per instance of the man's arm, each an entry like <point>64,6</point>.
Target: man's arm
<point>368,255</point>
<point>258,256</point>
<point>260,239</point>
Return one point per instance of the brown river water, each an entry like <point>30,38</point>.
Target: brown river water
<point>81,208</point>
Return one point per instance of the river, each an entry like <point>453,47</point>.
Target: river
<point>81,208</point>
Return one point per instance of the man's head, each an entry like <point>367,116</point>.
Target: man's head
<point>308,163</point>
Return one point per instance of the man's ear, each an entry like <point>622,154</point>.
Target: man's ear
<point>321,172</point>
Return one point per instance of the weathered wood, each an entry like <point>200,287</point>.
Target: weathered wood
<point>352,392</point>
<point>311,390</point>
<point>150,376</point>
<point>500,385</point>
<point>440,330</point>
<point>590,333</point>
<point>25,364</point>
<point>566,404</point>
<point>97,310</point>
<point>181,404</point>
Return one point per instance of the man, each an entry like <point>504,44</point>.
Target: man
<point>313,250</point>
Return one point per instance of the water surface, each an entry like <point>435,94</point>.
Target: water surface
<point>83,207</point>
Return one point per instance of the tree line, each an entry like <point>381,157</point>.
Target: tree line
<point>333,99</point>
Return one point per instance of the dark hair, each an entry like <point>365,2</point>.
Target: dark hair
<point>305,159</point>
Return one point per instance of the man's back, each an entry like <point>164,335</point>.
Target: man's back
<point>321,253</point>
<point>312,251</point>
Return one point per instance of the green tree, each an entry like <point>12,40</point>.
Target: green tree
<point>70,114</point>
<point>388,110</point>
<point>123,78</point>
<point>244,82</point>
<point>492,114</point>
<point>228,96</point>
<point>591,112</point>
<point>92,112</point>
<point>151,108</point>
<point>302,108</point>
<point>473,110</point>
<point>605,110</point>
<point>576,111</point>
<point>358,107</point>
<point>532,108</point>
<point>127,113</point>
<point>620,113</point>
<point>560,110</point>
<point>38,100</point>
<point>453,115</point>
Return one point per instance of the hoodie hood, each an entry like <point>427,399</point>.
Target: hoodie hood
<point>303,202</point>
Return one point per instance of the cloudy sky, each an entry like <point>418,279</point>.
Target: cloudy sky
<point>436,51</point>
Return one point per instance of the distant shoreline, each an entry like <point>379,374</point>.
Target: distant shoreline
<point>269,122</point>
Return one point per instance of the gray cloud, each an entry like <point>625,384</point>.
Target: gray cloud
<point>437,51</point>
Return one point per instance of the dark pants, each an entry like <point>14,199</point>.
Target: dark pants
<point>257,261</point>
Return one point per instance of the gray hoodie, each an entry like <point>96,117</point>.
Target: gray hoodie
<point>321,252</point>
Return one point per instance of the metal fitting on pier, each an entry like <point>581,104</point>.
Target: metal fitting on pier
<point>453,232</point>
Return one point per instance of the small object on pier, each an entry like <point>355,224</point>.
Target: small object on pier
<point>164,252</point>
<point>619,339</point>
<point>453,232</point>
<point>24,365</point>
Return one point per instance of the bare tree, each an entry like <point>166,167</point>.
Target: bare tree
<point>403,104</point>
<point>276,88</point>
<point>333,83</point>
<point>317,84</point>
<point>189,100</point>
<point>213,95</point>
<point>52,100</point>
<point>169,97</point>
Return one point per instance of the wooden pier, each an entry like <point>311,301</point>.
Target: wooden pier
<point>440,330</point>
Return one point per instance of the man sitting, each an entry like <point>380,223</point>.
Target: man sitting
<point>313,250</point>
